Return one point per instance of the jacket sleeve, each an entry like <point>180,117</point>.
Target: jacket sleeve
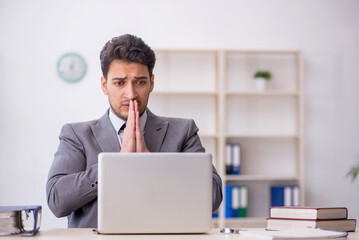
<point>70,183</point>
<point>193,144</point>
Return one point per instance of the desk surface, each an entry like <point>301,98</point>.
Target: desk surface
<point>87,234</point>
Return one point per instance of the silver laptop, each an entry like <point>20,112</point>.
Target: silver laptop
<point>154,193</point>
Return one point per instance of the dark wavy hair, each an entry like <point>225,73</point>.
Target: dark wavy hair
<point>128,48</point>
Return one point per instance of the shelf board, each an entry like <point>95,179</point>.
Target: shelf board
<point>205,135</point>
<point>263,136</point>
<point>246,219</point>
<point>184,93</point>
<point>241,220</point>
<point>260,178</point>
<point>264,51</point>
<point>264,94</point>
<point>215,220</point>
<point>185,51</point>
<point>227,51</point>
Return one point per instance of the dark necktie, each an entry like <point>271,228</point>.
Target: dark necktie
<point>120,132</point>
<point>122,128</point>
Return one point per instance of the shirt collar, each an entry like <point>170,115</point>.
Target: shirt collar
<point>118,122</point>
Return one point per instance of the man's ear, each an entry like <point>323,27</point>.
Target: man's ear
<point>104,85</point>
<point>152,81</point>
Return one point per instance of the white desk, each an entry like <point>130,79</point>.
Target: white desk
<point>87,234</point>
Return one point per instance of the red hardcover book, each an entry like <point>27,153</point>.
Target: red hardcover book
<point>309,213</point>
<point>347,225</point>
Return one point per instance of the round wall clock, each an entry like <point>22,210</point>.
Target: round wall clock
<point>71,67</point>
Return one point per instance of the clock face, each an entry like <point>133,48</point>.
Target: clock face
<point>71,67</point>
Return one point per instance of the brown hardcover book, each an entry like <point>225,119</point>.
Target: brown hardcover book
<point>330,224</point>
<point>310,213</point>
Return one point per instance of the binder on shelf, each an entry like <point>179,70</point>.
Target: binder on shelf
<point>228,202</point>
<point>236,203</point>
<point>236,153</point>
<point>277,196</point>
<point>285,196</point>
<point>233,158</point>
<point>228,158</point>
<point>295,196</point>
<point>215,214</point>
<point>243,205</point>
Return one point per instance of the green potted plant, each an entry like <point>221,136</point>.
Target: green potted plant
<point>261,77</point>
<point>353,171</point>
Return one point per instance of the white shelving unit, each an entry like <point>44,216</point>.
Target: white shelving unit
<point>216,89</point>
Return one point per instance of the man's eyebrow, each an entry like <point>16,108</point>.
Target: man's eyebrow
<point>124,78</point>
<point>140,77</point>
<point>119,78</point>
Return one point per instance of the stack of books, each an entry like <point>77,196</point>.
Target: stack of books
<point>333,218</point>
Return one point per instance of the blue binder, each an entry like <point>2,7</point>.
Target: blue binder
<point>228,203</point>
<point>277,195</point>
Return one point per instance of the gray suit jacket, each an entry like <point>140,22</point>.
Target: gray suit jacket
<point>71,188</point>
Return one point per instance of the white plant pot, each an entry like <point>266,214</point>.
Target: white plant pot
<point>261,84</point>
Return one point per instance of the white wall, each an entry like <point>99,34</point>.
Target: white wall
<point>34,102</point>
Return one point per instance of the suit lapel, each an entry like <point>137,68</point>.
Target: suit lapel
<point>155,132</point>
<point>106,135</point>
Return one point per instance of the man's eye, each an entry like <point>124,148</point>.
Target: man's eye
<point>140,82</point>
<point>119,83</point>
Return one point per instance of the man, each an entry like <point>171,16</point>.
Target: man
<point>128,126</point>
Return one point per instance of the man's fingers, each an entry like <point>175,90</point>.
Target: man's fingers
<point>131,121</point>
<point>129,135</point>
<point>136,105</point>
<point>140,141</point>
<point>133,140</point>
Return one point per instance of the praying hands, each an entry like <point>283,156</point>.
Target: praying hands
<point>133,140</point>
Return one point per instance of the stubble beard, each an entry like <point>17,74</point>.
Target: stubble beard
<point>124,117</point>
<point>118,114</point>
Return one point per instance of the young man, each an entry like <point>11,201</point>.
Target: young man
<point>128,126</point>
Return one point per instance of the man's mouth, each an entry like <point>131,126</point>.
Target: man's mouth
<point>127,105</point>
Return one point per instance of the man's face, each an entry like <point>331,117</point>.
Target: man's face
<point>127,81</point>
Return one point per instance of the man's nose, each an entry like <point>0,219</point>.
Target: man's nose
<point>130,92</point>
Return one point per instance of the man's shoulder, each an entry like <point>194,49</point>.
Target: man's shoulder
<point>85,125</point>
<point>81,125</point>
<point>174,120</point>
